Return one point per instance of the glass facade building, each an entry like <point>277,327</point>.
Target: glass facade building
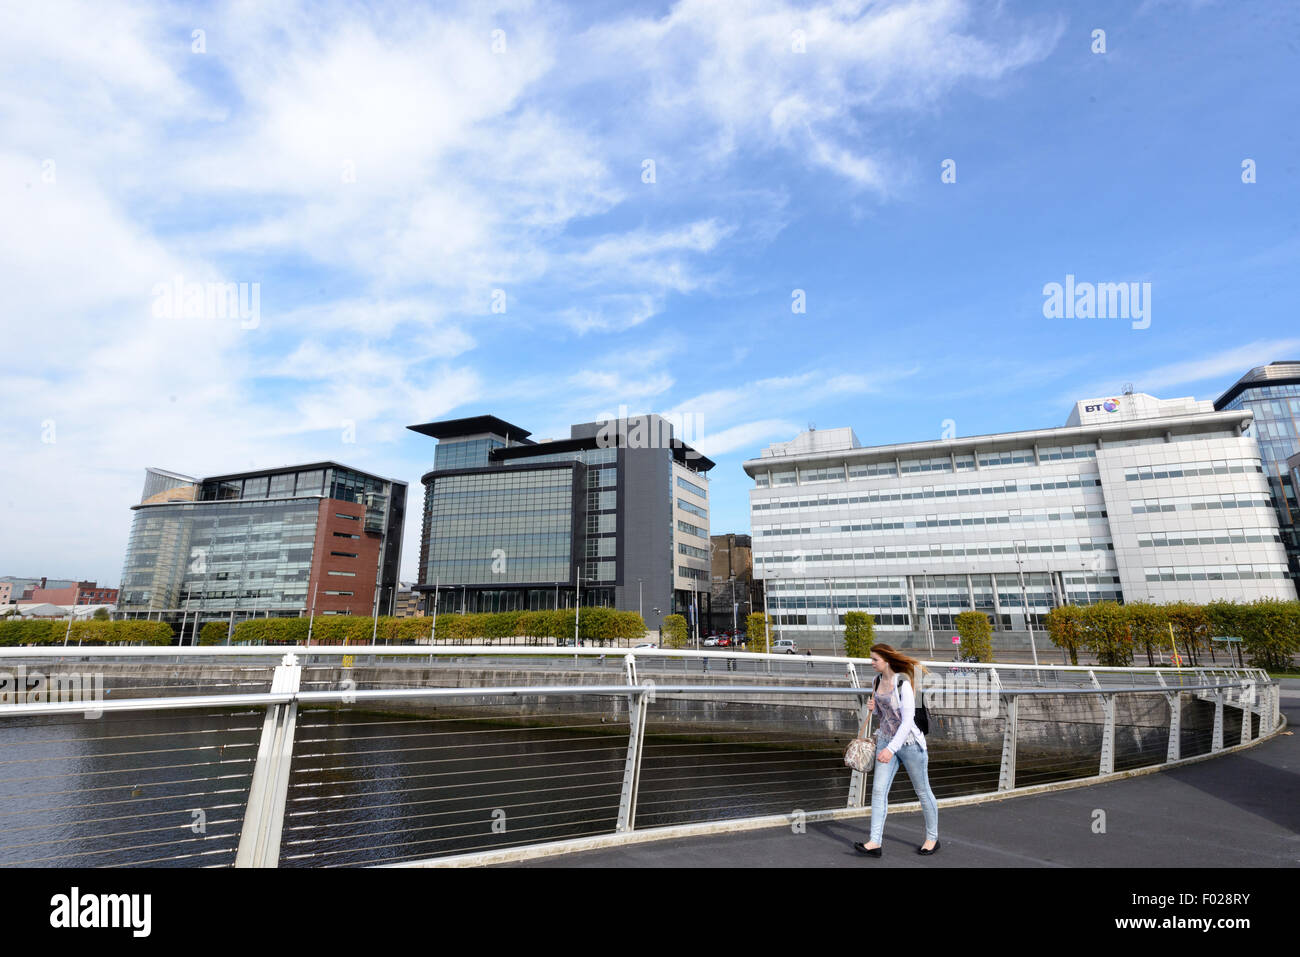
<point>512,524</point>
<point>1272,394</point>
<point>274,542</point>
<point>1135,498</point>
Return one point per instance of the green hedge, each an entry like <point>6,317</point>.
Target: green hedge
<point>1269,629</point>
<point>85,632</point>
<point>598,626</point>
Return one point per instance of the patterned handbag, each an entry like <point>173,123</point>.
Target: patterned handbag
<point>861,752</point>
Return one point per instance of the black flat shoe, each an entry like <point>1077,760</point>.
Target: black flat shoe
<point>861,848</point>
<point>922,850</point>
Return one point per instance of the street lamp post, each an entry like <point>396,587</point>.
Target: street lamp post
<point>1024,601</point>
<point>312,620</point>
<point>734,625</point>
<point>929,627</point>
<point>835,645</point>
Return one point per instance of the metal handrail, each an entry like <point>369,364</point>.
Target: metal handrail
<point>553,651</point>
<point>347,696</point>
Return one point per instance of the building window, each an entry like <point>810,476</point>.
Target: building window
<point>345,574</point>
<point>693,509</point>
<point>692,488</point>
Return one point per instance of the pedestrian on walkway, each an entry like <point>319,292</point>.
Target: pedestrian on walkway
<point>898,739</point>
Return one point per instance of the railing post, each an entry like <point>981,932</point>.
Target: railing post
<point>636,711</point>
<point>1175,749</point>
<point>858,779</point>
<point>1216,743</point>
<point>1007,774</point>
<point>1108,735</point>
<point>259,840</point>
<point>1247,699</point>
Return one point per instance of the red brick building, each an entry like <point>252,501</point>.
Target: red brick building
<point>82,593</point>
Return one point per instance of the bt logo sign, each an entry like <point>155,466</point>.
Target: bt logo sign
<point>1110,405</point>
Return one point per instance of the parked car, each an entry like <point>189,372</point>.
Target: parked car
<point>785,646</point>
<point>724,642</point>
<point>647,644</point>
<point>710,641</point>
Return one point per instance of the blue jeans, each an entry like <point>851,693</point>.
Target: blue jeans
<point>917,762</point>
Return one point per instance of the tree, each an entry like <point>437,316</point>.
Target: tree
<point>1106,631</point>
<point>673,631</point>
<point>1226,619</point>
<point>213,633</point>
<point>101,614</point>
<point>1190,625</point>
<point>859,634</point>
<point>1149,626</point>
<point>756,628</point>
<point>1270,632</point>
<point>976,635</point>
<point>1065,629</point>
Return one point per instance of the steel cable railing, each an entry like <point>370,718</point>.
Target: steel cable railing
<point>117,791</point>
<point>451,782</point>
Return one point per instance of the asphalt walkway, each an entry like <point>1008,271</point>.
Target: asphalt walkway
<point>1241,810</point>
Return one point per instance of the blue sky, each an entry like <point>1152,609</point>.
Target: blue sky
<point>380,170</point>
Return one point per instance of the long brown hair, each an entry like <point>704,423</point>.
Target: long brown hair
<point>900,663</point>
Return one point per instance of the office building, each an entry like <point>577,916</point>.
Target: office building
<point>1134,498</point>
<point>274,542</point>
<point>22,589</point>
<point>77,593</point>
<point>1272,393</point>
<point>407,602</point>
<point>621,506</point>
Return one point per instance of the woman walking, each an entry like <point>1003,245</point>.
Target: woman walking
<point>899,739</point>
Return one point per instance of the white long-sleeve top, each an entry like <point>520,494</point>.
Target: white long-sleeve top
<point>903,701</point>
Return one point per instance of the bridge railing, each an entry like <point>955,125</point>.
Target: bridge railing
<point>398,775</point>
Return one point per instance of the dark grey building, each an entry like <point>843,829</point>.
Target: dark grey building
<point>1272,393</point>
<point>511,524</point>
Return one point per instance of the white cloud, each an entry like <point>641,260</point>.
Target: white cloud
<point>746,436</point>
<point>1162,380</point>
<point>473,171</point>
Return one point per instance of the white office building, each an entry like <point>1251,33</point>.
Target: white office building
<point>1135,498</point>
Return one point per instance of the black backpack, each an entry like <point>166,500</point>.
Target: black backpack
<point>921,719</point>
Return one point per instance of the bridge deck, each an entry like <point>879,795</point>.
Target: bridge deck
<point>1242,810</point>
